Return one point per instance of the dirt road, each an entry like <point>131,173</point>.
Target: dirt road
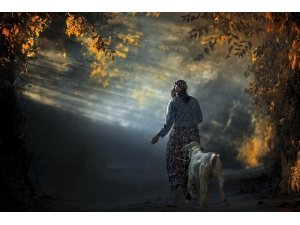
<point>246,192</point>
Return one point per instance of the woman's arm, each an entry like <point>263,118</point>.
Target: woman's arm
<point>170,118</point>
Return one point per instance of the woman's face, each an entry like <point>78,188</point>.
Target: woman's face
<point>177,88</point>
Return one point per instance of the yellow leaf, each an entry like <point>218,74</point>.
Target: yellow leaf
<point>272,106</point>
<point>16,29</point>
<point>30,54</point>
<point>105,83</point>
<point>156,14</point>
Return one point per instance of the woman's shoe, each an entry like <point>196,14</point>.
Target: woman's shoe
<point>177,196</point>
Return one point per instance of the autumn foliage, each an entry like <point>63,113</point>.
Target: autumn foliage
<point>272,40</point>
<point>18,35</point>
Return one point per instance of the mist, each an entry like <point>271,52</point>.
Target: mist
<point>90,120</point>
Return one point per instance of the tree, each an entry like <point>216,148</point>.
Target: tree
<point>18,32</point>
<point>275,69</point>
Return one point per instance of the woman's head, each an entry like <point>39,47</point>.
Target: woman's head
<point>179,88</point>
<point>181,84</point>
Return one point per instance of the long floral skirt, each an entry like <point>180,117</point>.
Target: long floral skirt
<point>178,160</point>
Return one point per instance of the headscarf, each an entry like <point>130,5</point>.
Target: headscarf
<point>183,93</point>
<point>181,83</point>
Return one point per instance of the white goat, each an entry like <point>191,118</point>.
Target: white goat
<point>203,166</point>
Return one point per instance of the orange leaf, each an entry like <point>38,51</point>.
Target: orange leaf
<point>268,15</point>
<point>294,62</point>
<point>270,29</point>
<point>34,18</point>
<point>5,32</point>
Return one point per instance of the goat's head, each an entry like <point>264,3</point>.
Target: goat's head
<point>191,147</point>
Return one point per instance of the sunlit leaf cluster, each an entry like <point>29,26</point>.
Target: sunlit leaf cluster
<point>104,71</point>
<point>18,40</point>
<point>19,33</point>
<point>77,25</point>
<point>236,29</point>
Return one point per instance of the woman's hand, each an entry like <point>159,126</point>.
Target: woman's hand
<point>154,139</point>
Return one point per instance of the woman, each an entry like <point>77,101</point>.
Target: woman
<point>183,114</point>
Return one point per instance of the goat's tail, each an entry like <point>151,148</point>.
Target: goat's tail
<point>213,159</point>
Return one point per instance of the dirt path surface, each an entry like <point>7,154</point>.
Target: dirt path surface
<point>244,203</point>
<point>80,168</point>
<point>244,195</point>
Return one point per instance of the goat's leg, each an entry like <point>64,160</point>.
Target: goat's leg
<point>221,189</point>
<point>205,192</point>
<point>190,185</point>
<point>201,191</point>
